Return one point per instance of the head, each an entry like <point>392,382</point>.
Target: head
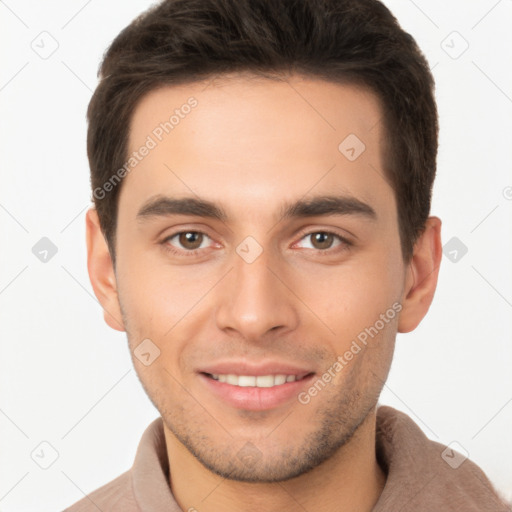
<point>262,176</point>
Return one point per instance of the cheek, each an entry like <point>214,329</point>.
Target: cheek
<point>156,295</point>
<point>164,304</point>
<point>351,296</point>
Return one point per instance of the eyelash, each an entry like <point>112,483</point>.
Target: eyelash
<point>345,243</point>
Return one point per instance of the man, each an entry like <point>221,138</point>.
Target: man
<point>262,176</point>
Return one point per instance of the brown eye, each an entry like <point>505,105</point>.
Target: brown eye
<point>190,239</point>
<point>188,243</point>
<point>322,240</point>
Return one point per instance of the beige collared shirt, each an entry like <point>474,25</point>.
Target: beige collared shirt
<point>422,475</point>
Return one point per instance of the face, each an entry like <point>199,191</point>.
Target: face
<point>257,244</point>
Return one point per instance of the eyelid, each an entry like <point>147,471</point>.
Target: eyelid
<point>169,237</point>
<point>165,242</point>
<point>331,231</point>
<point>325,228</point>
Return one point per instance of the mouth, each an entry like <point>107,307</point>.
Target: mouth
<point>261,392</point>
<point>258,381</point>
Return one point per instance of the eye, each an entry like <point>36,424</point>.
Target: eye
<point>188,240</point>
<point>324,240</point>
<point>188,243</point>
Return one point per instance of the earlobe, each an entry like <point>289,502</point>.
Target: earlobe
<point>101,271</point>
<point>421,276</point>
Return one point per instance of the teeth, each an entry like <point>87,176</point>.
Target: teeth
<point>246,381</point>
<point>261,381</point>
<point>281,379</point>
<point>232,379</point>
<point>264,381</point>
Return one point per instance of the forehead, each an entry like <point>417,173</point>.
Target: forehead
<point>260,140</point>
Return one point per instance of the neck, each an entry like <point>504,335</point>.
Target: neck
<point>351,480</point>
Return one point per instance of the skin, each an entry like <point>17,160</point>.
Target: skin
<point>250,146</point>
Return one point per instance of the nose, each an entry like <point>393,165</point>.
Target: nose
<point>255,300</point>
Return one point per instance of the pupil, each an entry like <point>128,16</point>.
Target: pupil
<point>191,240</point>
<point>322,240</point>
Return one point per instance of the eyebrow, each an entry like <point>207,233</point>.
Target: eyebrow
<point>162,206</point>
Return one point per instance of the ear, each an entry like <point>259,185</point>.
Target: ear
<point>101,271</point>
<point>421,276</point>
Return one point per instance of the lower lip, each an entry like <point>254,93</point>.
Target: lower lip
<point>252,398</point>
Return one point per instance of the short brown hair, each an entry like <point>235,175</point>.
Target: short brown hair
<point>340,41</point>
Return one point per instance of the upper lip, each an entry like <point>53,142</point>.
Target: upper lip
<point>241,367</point>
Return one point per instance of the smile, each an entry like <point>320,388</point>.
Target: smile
<point>259,381</point>
<point>256,392</point>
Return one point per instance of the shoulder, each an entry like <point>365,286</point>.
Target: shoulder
<point>115,496</point>
<point>428,475</point>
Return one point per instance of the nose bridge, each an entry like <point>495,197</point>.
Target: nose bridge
<point>254,301</point>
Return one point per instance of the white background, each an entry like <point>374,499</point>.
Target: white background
<point>67,379</point>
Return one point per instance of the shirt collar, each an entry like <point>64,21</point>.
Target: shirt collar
<point>418,475</point>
